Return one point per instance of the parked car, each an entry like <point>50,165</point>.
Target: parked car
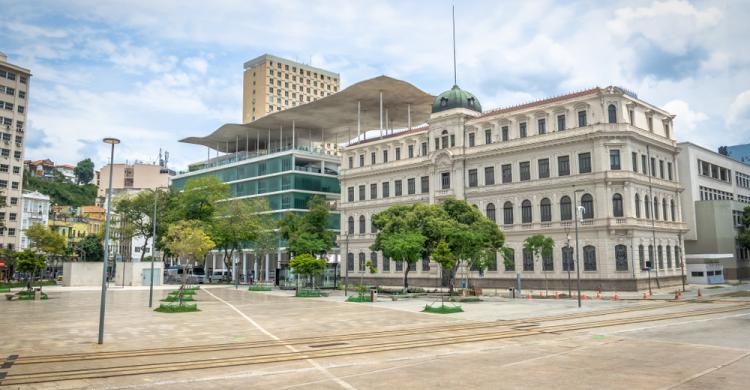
<point>173,274</point>
<point>221,276</point>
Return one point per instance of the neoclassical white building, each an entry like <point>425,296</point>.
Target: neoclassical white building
<point>527,167</point>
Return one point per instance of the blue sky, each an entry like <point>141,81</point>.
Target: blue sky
<point>152,72</point>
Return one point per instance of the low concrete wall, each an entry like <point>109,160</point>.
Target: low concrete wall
<point>134,273</point>
<point>82,274</point>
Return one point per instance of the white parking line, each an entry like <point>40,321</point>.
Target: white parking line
<point>291,348</point>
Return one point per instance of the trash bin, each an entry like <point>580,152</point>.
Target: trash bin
<point>373,295</point>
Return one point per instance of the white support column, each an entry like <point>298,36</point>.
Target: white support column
<point>294,143</point>
<point>281,136</point>
<point>244,265</point>
<point>381,110</point>
<point>257,142</point>
<point>386,122</point>
<point>236,144</point>
<point>247,142</point>
<point>268,147</point>
<point>213,261</point>
<point>408,116</point>
<point>359,121</point>
<point>268,260</point>
<point>255,264</point>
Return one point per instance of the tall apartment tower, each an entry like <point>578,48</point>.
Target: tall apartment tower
<point>14,96</point>
<point>273,84</point>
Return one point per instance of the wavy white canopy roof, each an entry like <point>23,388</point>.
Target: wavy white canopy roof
<point>331,118</point>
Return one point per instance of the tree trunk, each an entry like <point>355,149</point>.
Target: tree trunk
<point>406,276</point>
<point>143,250</point>
<point>452,279</point>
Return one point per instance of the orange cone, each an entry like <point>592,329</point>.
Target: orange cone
<point>616,297</point>
<point>645,295</point>
<point>583,297</point>
<point>557,295</point>
<point>676,295</point>
<point>598,295</point>
<point>529,296</point>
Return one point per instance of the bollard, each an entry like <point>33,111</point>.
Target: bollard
<point>645,295</point>
<point>676,295</point>
<point>557,295</point>
<point>699,293</point>
<point>583,297</point>
<point>598,295</point>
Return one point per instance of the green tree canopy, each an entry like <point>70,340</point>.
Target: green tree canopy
<point>308,266</point>
<point>30,262</point>
<point>189,242</point>
<point>199,198</point>
<point>541,246</point>
<point>44,240</point>
<point>237,222</point>
<point>84,171</point>
<point>91,248</point>
<point>138,211</point>
<point>744,235</point>
<point>308,233</point>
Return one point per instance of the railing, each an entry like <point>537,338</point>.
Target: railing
<point>244,155</point>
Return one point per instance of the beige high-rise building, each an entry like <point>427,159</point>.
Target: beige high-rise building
<point>133,178</point>
<point>14,97</point>
<point>273,83</point>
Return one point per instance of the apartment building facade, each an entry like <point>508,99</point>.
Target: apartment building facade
<point>35,210</point>
<point>14,103</point>
<point>527,168</point>
<point>717,190</point>
<point>129,178</point>
<point>271,84</point>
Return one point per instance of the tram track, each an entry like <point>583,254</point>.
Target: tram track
<point>278,357</point>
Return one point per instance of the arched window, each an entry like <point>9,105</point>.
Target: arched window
<point>612,112</point>
<point>373,228</point>
<point>526,211</point>
<point>641,257</point>
<point>567,259</point>
<point>386,264</point>
<point>587,201</point>
<point>664,209</point>
<point>650,257</point>
<point>660,256</point>
<point>548,263</point>
<point>647,206</point>
<point>589,258</point>
<point>566,213</point>
<point>528,260</point>
<point>444,138</point>
<point>491,211</point>
<point>350,261</point>
<point>656,208</point>
<point>637,207</point>
<point>545,209</point>
<point>351,225</point>
<point>621,257</point>
<point>668,250</point>
<point>617,205</point>
<point>674,211</point>
<point>677,262</point>
<point>361,224</point>
<point>425,263</point>
<point>508,213</point>
<point>374,259</point>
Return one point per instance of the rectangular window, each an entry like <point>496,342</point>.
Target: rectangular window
<point>650,121</point>
<point>669,171</point>
<point>373,191</point>
<point>398,154</point>
<point>425,184</point>
<point>541,125</point>
<point>396,188</point>
<point>372,158</point>
<point>634,161</point>
<point>362,192</point>
<point>505,133</point>
<point>453,140</point>
<point>351,163</point>
<point>543,168</point>
<point>488,136</point>
<point>563,166</point>
<point>489,176</point>
<point>424,148</point>
<point>522,130</point>
<point>644,164</point>
<point>473,180</point>
<point>386,189</point>
<point>409,151</point>
<point>561,122</point>
<point>581,118</point>
<point>614,159</point>
<point>661,168</point>
<point>361,162</point>
<point>445,180</point>
<point>349,195</point>
<point>631,115</point>
<point>507,173</point>
<point>411,186</point>
<point>525,169</point>
<point>528,260</point>
<point>471,139</point>
<point>584,163</point>
<point>385,156</point>
<point>653,166</point>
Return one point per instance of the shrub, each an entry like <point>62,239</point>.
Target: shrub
<point>308,293</point>
<point>442,309</point>
<point>360,298</point>
<point>175,298</point>
<point>260,287</point>
<point>176,308</point>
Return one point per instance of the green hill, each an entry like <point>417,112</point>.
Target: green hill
<point>61,191</point>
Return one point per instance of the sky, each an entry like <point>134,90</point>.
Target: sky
<point>153,72</point>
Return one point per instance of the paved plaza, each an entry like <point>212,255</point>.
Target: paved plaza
<point>271,340</point>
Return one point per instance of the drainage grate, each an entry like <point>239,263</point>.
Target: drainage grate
<point>326,345</point>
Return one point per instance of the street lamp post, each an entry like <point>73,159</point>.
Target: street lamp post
<point>578,259</point>
<point>113,142</point>
<point>568,260</point>
<point>346,273</point>
<point>153,252</point>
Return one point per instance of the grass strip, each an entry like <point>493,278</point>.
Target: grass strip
<point>176,308</point>
<point>442,309</point>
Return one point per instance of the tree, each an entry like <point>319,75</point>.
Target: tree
<point>61,191</point>
<point>137,211</point>
<point>444,256</point>
<point>237,222</point>
<point>90,248</point>
<point>190,243</point>
<point>8,256</point>
<point>308,233</point>
<point>199,198</point>
<point>266,243</point>
<point>29,262</point>
<point>404,246</point>
<point>308,266</point>
<point>44,240</point>
<point>84,171</point>
<point>541,246</point>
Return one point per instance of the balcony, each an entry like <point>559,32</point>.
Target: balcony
<point>243,155</point>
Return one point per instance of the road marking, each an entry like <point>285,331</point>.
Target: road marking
<point>680,323</point>
<point>291,348</point>
<point>708,371</point>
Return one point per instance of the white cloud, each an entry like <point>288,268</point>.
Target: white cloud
<point>197,64</point>
<point>739,110</point>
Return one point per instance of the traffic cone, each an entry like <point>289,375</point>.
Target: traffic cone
<point>557,295</point>
<point>529,296</point>
<point>598,295</point>
<point>616,297</point>
<point>645,295</point>
<point>676,295</point>
<point>583,297</point>
<point>699,293</point>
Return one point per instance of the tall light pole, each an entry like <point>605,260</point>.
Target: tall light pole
<point>578,258</point>
<point>113,142</point>
<point>567,260</point>
<point>153,251</point>
<point>346,277</point>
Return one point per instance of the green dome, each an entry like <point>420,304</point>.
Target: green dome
<point>456,98</point>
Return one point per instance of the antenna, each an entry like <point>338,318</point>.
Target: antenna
<point>453,11</point>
